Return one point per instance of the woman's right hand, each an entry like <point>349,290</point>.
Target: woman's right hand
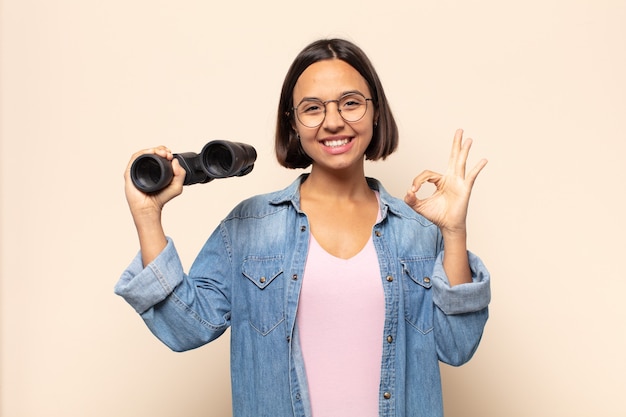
<point>146,208</point>
<point>141,203</point>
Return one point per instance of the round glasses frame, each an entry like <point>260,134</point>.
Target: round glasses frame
<point>345,99</point>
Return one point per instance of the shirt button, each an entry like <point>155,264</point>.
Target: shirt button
<point>389,339</point>
<point>426,280</point>
<point>262,280</point>
<point>377,233</point>
<point>387,395</point>
<point>303,228</point>
<point>294,277</point>
<point>389,278</point>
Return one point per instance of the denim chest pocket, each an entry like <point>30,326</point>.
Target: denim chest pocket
<point>418,301</point>
<point>264,291</point>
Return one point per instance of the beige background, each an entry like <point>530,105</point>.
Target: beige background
<point>539,85</point>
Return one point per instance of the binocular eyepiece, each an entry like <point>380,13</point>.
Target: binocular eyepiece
<point>219,159</point>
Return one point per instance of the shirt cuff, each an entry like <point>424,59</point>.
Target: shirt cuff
<point>462,298</point>
<point>143,287</point>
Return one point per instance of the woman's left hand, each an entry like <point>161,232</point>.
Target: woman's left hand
<point>447,206</point>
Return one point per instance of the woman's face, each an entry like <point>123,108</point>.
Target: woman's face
<point>335,143</point>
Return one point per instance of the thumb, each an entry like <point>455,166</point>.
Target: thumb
<point>179,173</point>
<point>410,198</point>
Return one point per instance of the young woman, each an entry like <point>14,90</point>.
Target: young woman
<point>341,299</point>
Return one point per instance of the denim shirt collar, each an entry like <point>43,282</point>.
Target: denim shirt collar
<point>291,194</point>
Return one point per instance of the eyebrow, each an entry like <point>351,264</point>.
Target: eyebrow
<point>345,93</point>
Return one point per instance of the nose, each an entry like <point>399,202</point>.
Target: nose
<point>332,118</point>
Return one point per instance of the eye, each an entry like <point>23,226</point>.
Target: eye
<point>351,102</point>
<point>310,107</point>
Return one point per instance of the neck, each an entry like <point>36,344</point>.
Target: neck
<point>336,184</point>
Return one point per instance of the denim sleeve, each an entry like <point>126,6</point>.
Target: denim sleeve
<point>145,287</point>
<point>462,298</point>
<point>461,312</point>
<point>182,311</point>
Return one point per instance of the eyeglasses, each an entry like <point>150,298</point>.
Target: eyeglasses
<point>351,107</point>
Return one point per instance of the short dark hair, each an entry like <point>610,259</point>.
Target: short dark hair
<point>288,149</point>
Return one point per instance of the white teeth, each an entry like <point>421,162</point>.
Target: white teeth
<point>333,143</point>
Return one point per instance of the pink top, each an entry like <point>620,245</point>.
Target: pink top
<point>341,315</point>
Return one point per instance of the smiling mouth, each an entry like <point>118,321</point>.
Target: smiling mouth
<point>335,143</point>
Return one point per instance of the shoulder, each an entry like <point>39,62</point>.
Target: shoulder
<point>257,206</point>
<point>266,204</point>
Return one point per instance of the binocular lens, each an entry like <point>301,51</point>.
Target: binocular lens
<point>218,160</point>
<point>151,173</point>
<point>222,159</point>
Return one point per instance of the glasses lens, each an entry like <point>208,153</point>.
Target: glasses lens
<point>352,107</point>
<point>311,112</point>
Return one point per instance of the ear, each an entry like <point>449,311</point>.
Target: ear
<point>293,127</point>
<point>292,122</point>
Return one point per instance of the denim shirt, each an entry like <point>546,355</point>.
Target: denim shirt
<point>249,275</point>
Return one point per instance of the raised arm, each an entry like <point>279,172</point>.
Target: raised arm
<point>447,206</point>
<point>146,208</point>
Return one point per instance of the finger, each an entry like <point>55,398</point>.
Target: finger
<point>471,176</point>
<point>179,172</point>
<point>163,151</point>
<point>461,161</point>
<point>456,149</point>
<point>410,198</point>
<point>424,176</point>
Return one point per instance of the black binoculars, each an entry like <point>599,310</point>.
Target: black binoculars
<point>219,159</point>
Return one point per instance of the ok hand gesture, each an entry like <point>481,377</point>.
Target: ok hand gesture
<point>447,206</point>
